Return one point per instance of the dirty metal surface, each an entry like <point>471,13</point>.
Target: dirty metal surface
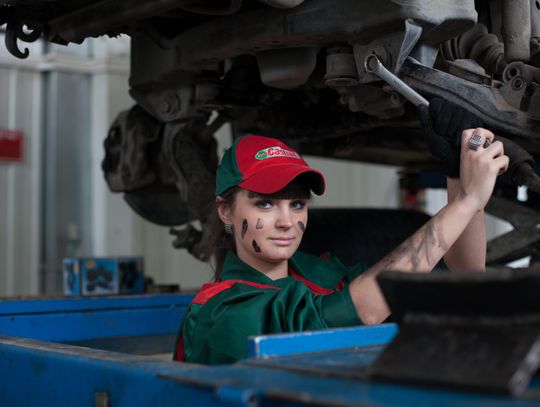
<point>49,368</point>
<point>350,363</point>
<point>325,368</point>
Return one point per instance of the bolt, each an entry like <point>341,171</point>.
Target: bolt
<point>395,99</point>
<point>170,104</point>
<point>518,83</point>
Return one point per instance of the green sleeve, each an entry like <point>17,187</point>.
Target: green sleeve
<point>350,273</point>
<point>226,321</point>
<point>356,270</point>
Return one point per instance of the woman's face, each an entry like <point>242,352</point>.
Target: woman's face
<point>267,230</point>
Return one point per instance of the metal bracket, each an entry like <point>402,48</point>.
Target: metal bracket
<point>411,37</point>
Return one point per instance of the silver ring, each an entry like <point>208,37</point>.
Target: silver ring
<point>475,141</point>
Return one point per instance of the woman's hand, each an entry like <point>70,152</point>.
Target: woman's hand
<point>479,168</point>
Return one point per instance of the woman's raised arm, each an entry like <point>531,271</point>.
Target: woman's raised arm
<point>423,250</point>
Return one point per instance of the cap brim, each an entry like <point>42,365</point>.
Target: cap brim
<point>277,177</point>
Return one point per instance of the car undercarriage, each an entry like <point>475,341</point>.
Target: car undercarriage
<point>295,69</point>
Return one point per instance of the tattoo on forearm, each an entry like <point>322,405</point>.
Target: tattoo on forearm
<point>418,251</point>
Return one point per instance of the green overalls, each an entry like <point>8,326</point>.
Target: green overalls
<point>246,302</point>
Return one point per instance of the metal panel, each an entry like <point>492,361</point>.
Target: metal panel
<point>317,341</point>
<point>67,194</point>
<point>4,176</point>
<point>66,375</point>
<point>54,90</point>
<point>60,374</point>
<point>19,183</point>
<point>113,226</point>
<point>77,319</point>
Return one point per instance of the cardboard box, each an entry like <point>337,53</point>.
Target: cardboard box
<point>103,275</point>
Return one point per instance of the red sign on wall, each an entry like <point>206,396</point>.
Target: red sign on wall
<point>11,145</point>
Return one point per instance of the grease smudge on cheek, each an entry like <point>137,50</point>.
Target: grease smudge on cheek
<point>259,224</point>
<point>256,247</point>
<point>244,227</point>
<point>302,226</point>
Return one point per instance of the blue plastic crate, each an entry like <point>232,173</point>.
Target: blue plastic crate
<point>103,275</point>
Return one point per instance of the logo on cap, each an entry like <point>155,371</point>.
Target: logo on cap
<point>275,152</point>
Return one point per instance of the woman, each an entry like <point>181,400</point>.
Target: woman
<point>263,285</point>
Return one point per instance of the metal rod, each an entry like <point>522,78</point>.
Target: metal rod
<point>373,65</point>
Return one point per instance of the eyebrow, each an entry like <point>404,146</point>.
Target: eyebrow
<point>253,195</point>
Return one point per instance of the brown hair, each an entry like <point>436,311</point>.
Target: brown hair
<point>223,242</point>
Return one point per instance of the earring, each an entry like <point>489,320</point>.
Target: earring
<point>228,228</point>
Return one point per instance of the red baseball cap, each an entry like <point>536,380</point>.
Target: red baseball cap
<point>263,165</point>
